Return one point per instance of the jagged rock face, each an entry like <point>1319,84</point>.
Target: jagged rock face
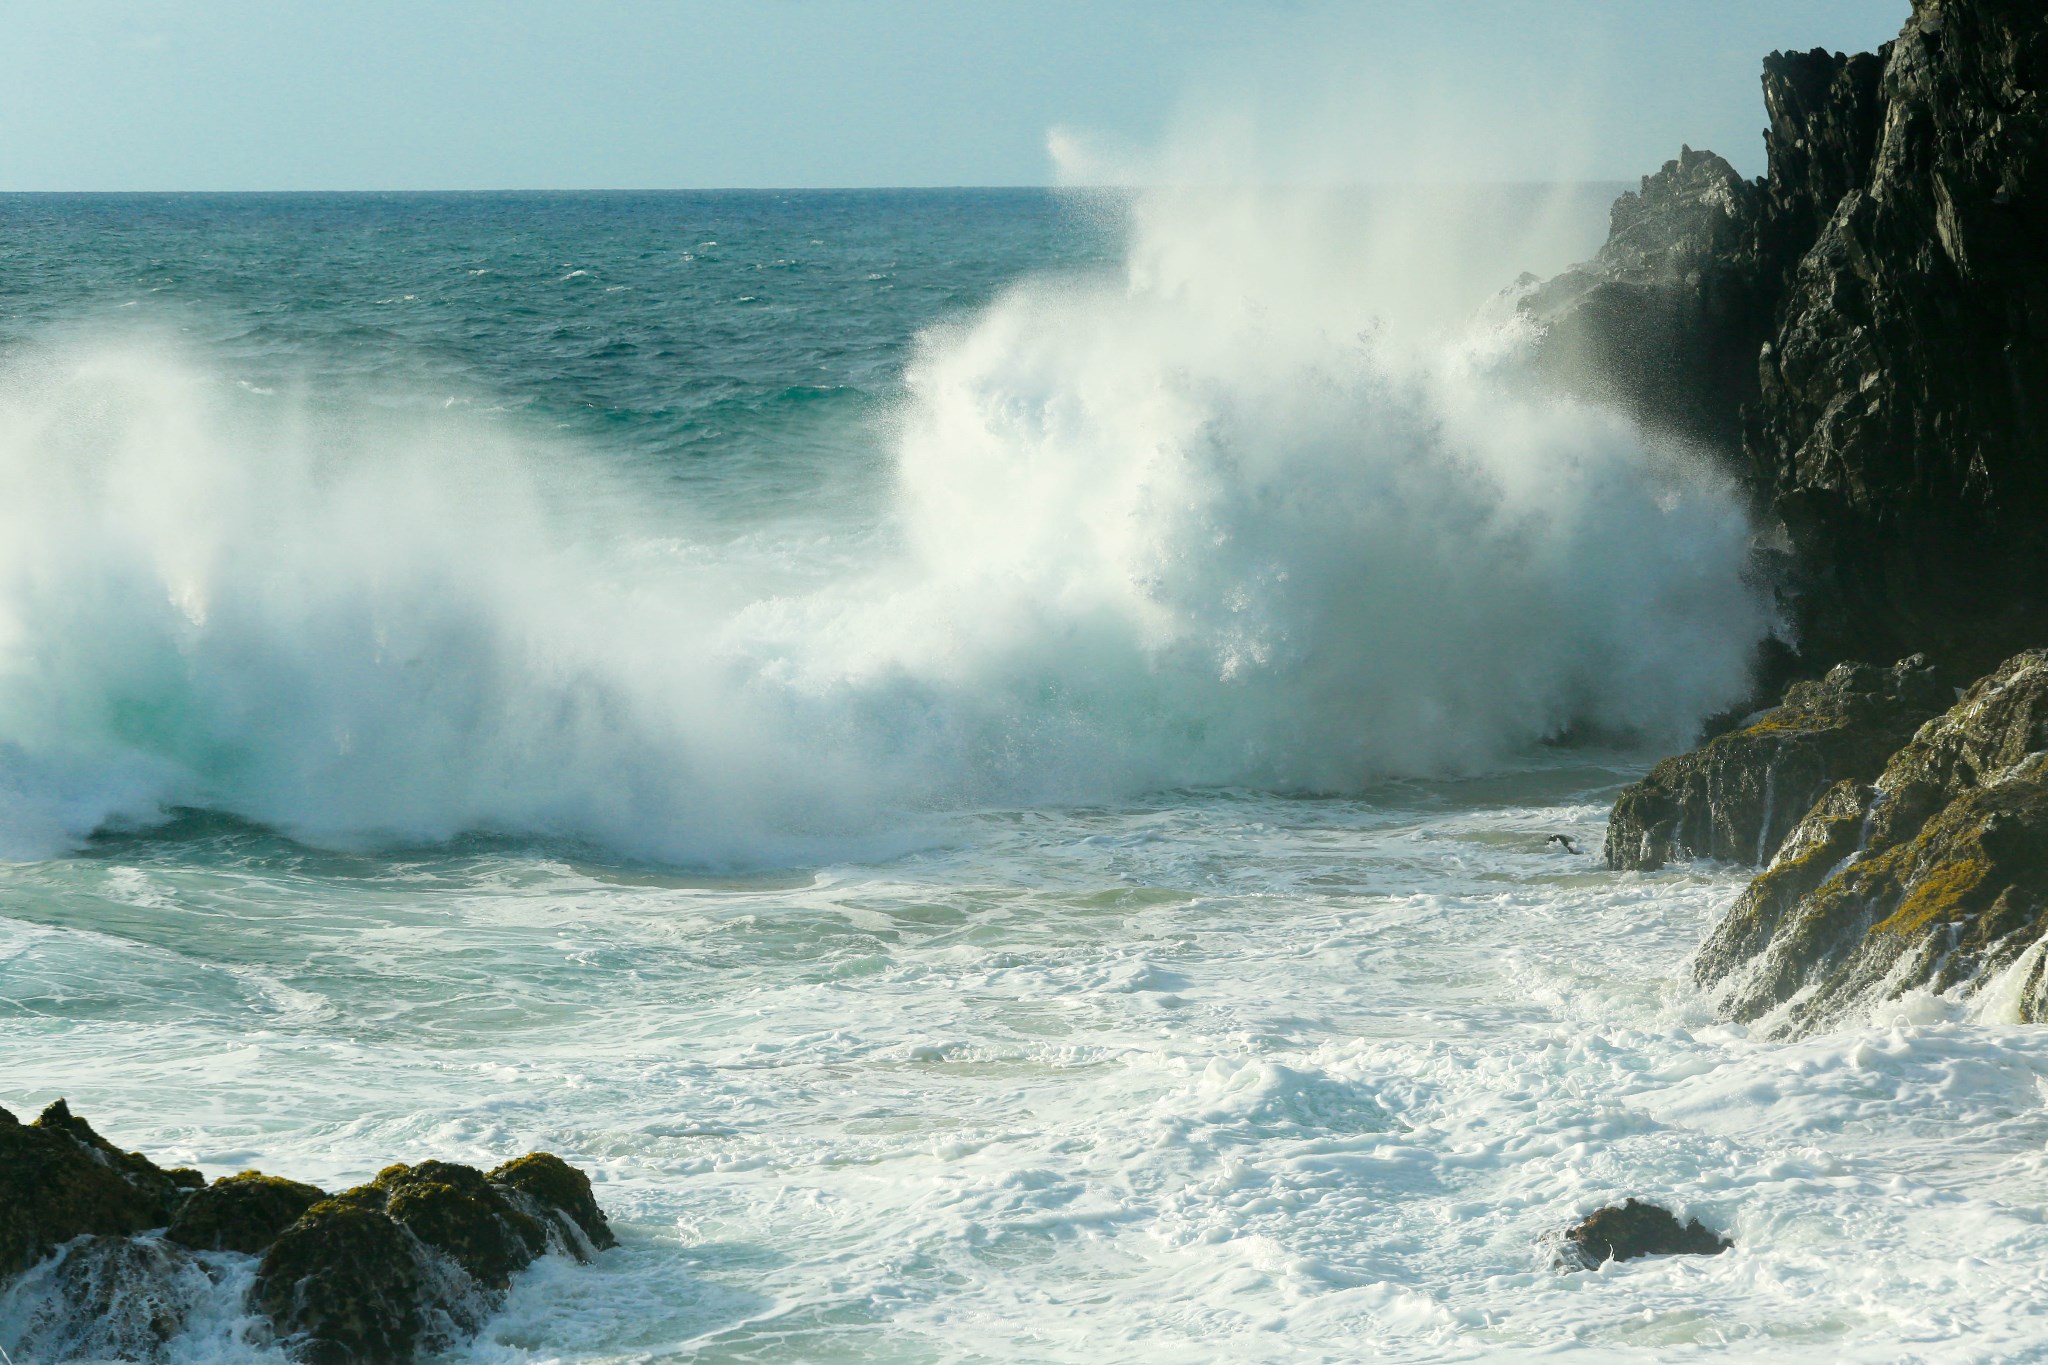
<point>1665,322</point>
<point>59,1179</point>
<point>1902,419</point>
<point>1864,331</point>
<point>1737,798</point>
<point>1934,878</point>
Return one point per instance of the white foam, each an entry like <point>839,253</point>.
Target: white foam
<point>1218,521</point>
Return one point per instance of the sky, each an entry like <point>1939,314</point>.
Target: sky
<point>627,94</point>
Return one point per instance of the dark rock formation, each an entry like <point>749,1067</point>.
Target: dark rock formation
<point>412,1261</point>
<point>561,1190</point>
<point>107,1298</point>
<point>1665,322</point>
<point>1738,797</point>
<point>59,1179</point>
<point>1868,324</point>
<point>242,1213</point>
<point>1900,431</point>
<point>1933,878</point>
<point>418,1257</point>
<point>1622,1232</point>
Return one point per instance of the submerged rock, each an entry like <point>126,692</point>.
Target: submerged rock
<point>1739,796</point>
<point>1622,1232</point>
<point>1933,878</point>
<point>59,1180</point>
<point>106,1298</point>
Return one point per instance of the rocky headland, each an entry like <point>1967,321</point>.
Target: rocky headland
<point>1861,336</point>
<point>104,1255</point>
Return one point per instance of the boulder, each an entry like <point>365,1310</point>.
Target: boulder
<point>242,1213</point>
<point>1934,877</point>
<point>1738,797</point>
<point>59,1180</point>
<point>562,1192</point>
<point>1622,1232</point>
<point>418,1257</point>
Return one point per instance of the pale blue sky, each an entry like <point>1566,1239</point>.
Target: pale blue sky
<point>462,94</point>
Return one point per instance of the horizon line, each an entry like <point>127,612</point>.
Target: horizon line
<point>840,189</point>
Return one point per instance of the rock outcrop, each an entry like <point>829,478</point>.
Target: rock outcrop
<point>1739,796</point>
<point>1863,332</point>
<point>59,1180</point>
<point>1933,878</point>
<point>1665,322</point>
<point>413,1261</point>
<point>417,1258</point>
<point>1622,1232</point>
<point>1901,428</point>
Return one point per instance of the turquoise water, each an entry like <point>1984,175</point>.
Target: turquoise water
<point>980,759</point>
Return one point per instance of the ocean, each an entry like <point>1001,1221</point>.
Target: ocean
<point>982,760</point>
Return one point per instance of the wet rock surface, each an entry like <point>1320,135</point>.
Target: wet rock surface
<point>59,1180</point>
<point>1933,878</point>
<point>116,1250</point>
<point>1622,1232</point>
<point>1739,796</point>
<point>242,1213</point>
<point>417,1258</point>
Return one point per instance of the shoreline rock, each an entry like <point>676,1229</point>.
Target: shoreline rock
<point>1934,877</point>
<point>415,1260</point>
<point>1739,796</point>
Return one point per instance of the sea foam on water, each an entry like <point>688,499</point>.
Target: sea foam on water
<point>1244,514</point>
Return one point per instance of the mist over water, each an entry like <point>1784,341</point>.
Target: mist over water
<point>1257,507</point>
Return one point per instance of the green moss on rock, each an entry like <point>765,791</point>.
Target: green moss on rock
<point>1944,886</point>
<point>558,1185</point>
<point>1739,796</point>
<point>59,1179</point>
<point>244,1212</point>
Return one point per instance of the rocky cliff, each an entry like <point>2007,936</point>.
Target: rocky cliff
<point>1863,333</point>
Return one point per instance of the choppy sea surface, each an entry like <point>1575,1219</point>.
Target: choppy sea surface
<point>981,760</point>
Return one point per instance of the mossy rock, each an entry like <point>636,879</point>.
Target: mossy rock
<point>557,1185</point>
<point>344,1286</point>
<point>1934,878</point>
<point>421,1253</point>
<point>1738,797</point>
<point>460,1213</point>
<point>242,1213</point>
<point>59,1179</point>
